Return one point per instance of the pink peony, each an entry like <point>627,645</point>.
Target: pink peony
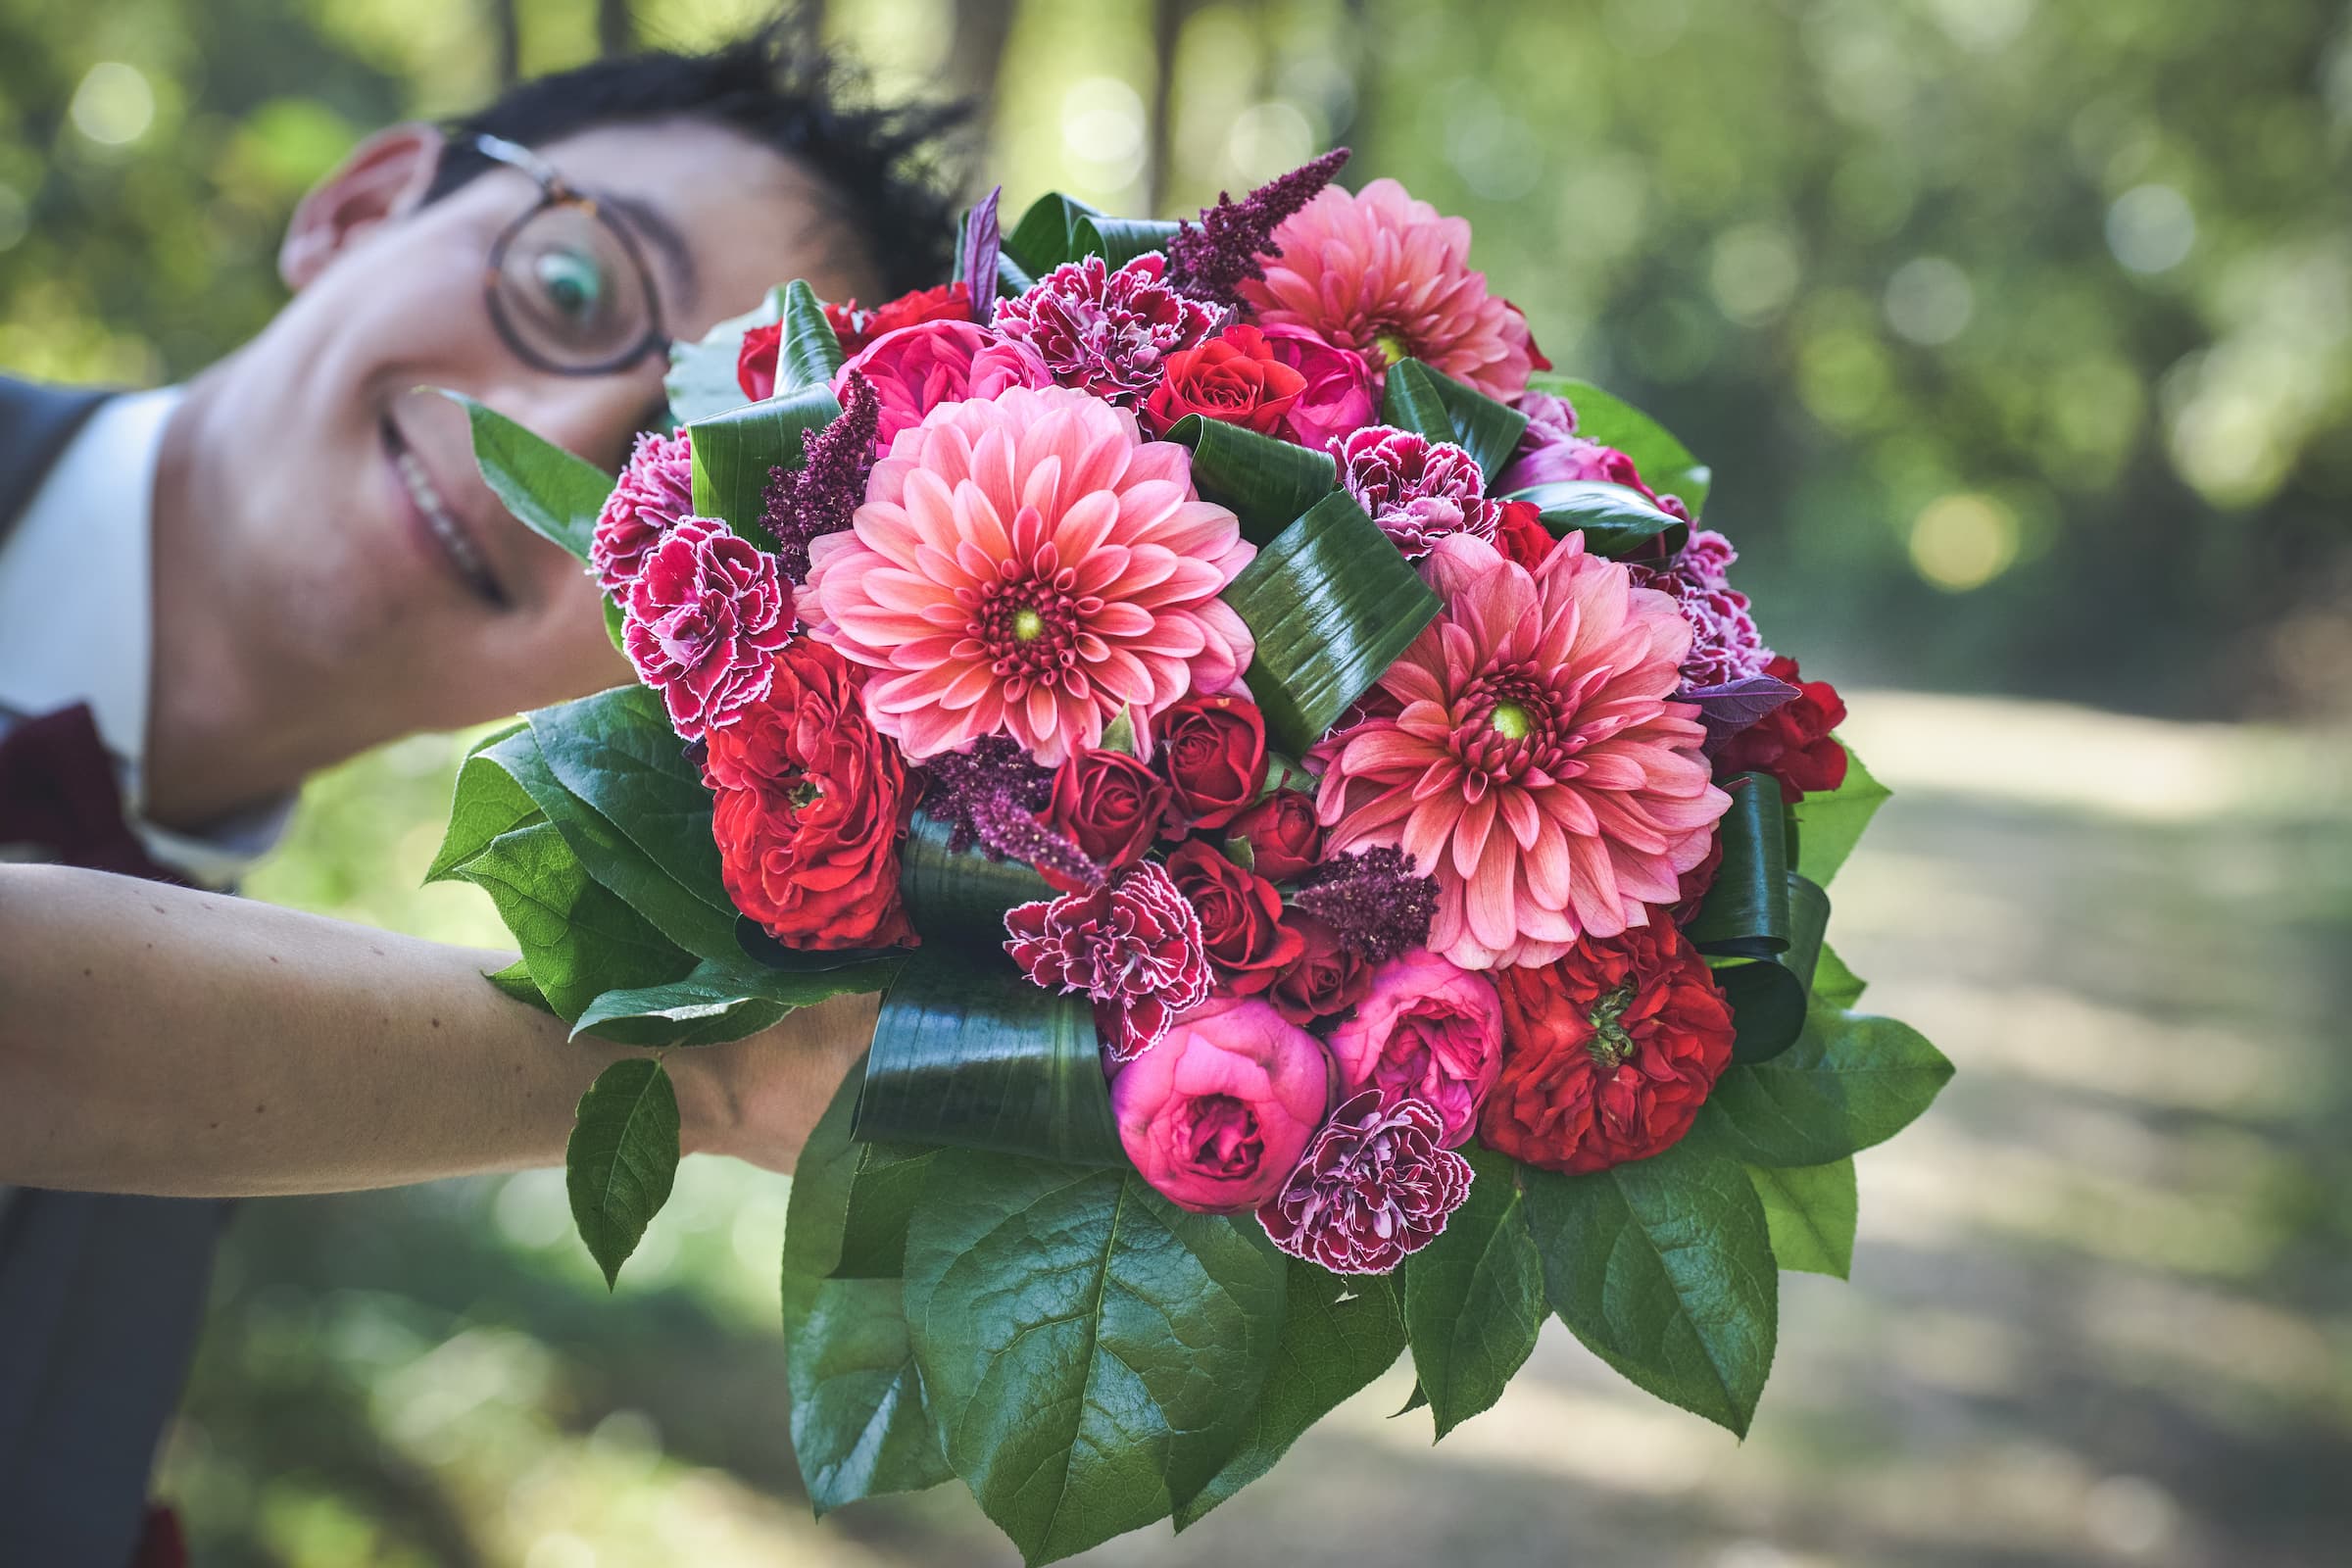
<point>1338,398</point>
<point>1533,764</point>
<point>1029,566</point>
<point>654,491</point>
<point>1418,490</point>
<point>1106,332</point>
<point>1134,944</point>
<point>1428,1030</point>
<point>916,368</point>
<point>1374,1188</point>
<point>1382,274</point>
<point>701,622</point>
<point>1216,1115</point>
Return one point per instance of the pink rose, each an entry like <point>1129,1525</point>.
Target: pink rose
<point>1338,400</point>
<point>916,368</point>
<point>1217,1113</point>
<point>1427,1029</point>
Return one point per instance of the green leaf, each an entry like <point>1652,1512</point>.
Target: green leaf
<point>1268,483</point>
<point>1771,993</point>
<point>1828,825</point>
<point>1663,1267</point>
<point>1409,400</point>
<point>486,802</point>
<point>1330,604</point>
<point>960,896</point>
<point>720,1000</point>
<point>1759,923</point>
<point>1809,1209</point>
<point>1337,1336</point>
<point>859,1424</point>
<point>888,1185</point>
<point>1118,240</point>
<point>551,492</point>
<point>1665,463</point>
<point>734,452</point>
<point>1046,236</point>
<point>810,351</point>
<point>1474,1298</point>
<point>968,1054</point>
<point>702,374</point>
<point>1119,734</point>
<point>578,939</point>
<point>1833,984</point>
<point>616,625</point>
<point>1444,410</point>
<point>1615,521</point>
<point>517,982</point>
<point>1850,1081</point>
<point>1093,1352</point>
<point>621,1161</point>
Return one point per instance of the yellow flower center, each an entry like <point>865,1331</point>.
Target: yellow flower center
<point>1028,625</point>
<point>1393,347</point>
<point>1511,721</point>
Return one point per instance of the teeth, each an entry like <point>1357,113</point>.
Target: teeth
<point>436,514</point>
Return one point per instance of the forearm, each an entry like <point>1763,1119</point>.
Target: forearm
<point>157,1040</point>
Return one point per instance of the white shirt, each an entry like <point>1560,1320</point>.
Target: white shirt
<point>77,620</point>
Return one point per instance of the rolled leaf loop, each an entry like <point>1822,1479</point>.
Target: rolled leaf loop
<point>1267,482</point>
<point>700,382</point>
<point>960,897</point>
<point>1762,923</point>
<point>733,452</point>
<point>1047,234</point>
<point>1118,240</point>
<point>808,351</point>
<point>1420,397</point>
<point>1616,521</point>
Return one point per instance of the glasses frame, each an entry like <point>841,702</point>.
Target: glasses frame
<point>556,191</point>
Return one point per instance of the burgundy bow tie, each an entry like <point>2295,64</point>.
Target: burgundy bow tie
<point>58,794</point>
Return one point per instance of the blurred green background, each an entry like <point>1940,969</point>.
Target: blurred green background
<point>2020,335</point>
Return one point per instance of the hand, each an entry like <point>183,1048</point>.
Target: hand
<point>758,1098</point>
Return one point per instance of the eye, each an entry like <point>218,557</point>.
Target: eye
<point>571,281</point>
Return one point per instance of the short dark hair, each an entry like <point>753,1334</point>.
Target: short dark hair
<point>886,170</point>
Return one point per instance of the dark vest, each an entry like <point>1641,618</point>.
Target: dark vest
<point>101,1297</point>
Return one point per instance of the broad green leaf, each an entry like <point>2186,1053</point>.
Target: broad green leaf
<point>1615,521</point>
<point>1810,1211</point>
<point>1828,825</point>
<point>551,492</point>
<point>579,938</point>
<point>860,1426</point>
<point>1833,984</point>
<point>1118,240</point>
<point>517,982</point>
<point>808,351</point>
<point>1046,236</point>
<point>702,374</point>
<point>735,452</point>
<point>1331,604</point>
<point>1665,463</point>
<point>888,1185</point>
<point>1091,1351</point>
<point>1850,1081</point>
<point>1337,1336</point>
<point>1409,400</point>
<point>719,1001</point>
<point>486,802</point>
<point>1446,410</point>
<point>960,896</point>
<point>1474,1298</point>
<point>1268,483</point>
<point>617,625</point>
<point>621,1161</point>
<point>1663,1267</point>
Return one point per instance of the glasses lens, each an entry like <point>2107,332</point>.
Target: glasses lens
<point>571,290</point>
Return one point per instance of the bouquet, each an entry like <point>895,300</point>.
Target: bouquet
<point>1343,870</point>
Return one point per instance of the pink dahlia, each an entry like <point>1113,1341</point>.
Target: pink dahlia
<point>1535,766</point>
<point>1418,490</point>
<point>1029,566</point>
<point>1373,1188</point>
<point>1382,273</point>
<point>1106,332</point>
<point>916,368</point>
<point>701,622</point>
<point>654,491</point>
<point>1133,944</point>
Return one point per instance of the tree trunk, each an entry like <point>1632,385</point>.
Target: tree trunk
<point>506,43</point>
<point>615,28</point>
<point>976,51</point>
<point>1168,18</point>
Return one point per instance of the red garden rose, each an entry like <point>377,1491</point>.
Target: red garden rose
<point>1285,839</point>
<point>1329,977</point>
<point>949,302</point>
<point>756,361</point>
<point>1109,805</point>
<point>1608,1053</point>
<point>1520,534</point>
<point>1233,377</point>
<point>806,808</point>
<point>1240,919</point>
<point>1213,751</point>
<point>1793,742</point>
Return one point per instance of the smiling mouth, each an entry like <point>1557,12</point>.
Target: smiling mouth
<point>441,521</point>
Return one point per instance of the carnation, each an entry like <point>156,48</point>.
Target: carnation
<point>1373,1188</point>
<point>654,491</point>
<point>1725,645</point>
<point>1134,944</point>
<point>1417,490</point>
<point>699,621</point>
<point>1106,332</point>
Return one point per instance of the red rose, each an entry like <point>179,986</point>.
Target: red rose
<point>1240,918</point>
<point>1325,980</point>
<point>1608,1053</point>
<point>1520,534</point>
<point>1284,839</point>
<point>1214,749</point>
<point>949,302</point>
<point>1107,803</point>
<point>806,808</point>
<point>756,361</point>
<point>1233,377</point>
<point>1793,742</point>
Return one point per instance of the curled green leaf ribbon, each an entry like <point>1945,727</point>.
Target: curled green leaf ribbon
<point>1761,924</point>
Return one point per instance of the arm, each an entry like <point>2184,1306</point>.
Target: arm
<point>159,1039</point>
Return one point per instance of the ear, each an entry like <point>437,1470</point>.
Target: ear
<point>385,175</point>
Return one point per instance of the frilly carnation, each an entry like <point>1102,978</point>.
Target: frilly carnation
<point>1133,944</point>
<point>917,369</point>
<point>1707,558</point>
<point>1725,645</point>
<point>1535,766</point>
<point>1103,332</point>
<point>1216,1115</point>
<point>701,620</point>
<point>1029,566</point>
<point>654,491</point>
<point>1374,1188</point>
<point>1417,490</point>
<point>1427,1030</point>
<point>1381,273</point>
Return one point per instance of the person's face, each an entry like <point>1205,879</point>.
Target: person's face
<point>386,570</point>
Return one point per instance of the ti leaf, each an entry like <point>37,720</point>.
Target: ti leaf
<point>733,452</point>
<point>960,896</point>
<point>621,1159</point>
<point>1093,1352</point>
<point>1850,1081</point>
<point>1267,482</point>
<point>1616,521</point>
<point>1118,240</point>
<point>808,351</point>
<point>1474,1298</point>
<point>551,492</point>
<point>1664,1268</point>
<point>1444,410</point>
<point>1665,463</point>
<point>1810,1211</point>
<point>1828,825</point>
<point>702,374</point>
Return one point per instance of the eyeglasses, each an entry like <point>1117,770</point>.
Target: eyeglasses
<point>569,289</point>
